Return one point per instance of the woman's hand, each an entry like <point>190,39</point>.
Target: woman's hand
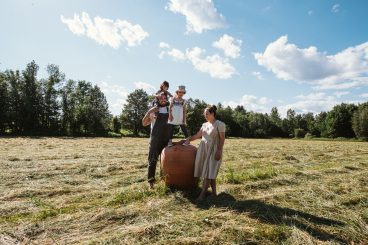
<point>218,155</point>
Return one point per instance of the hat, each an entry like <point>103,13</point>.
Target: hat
<point>181,88</point>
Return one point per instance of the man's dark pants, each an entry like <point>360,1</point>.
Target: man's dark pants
<point>158,141</point>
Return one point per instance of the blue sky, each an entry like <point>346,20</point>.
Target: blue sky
<point>304,55</point>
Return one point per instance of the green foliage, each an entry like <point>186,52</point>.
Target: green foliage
<point>308,136</point>
<point>276,124</point>
<point>320,125</point>
<point>55,106</point>
<point>116,125</point>
<point>259,125</point>
<point>13,78</point>
<point>48,106</point>
<point>195,118</point>
<point>134,110</point>
<point>339,121</point>
<point>299,133</point>
<point>360,121</point>
<point>4,103</point>
<point>31,98</point>
<point>242,122</point>
<point>51,105</point>
<point>85,109</point>
<point>227,115</point>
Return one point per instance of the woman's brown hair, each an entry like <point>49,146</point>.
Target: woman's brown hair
<point>212,109</point>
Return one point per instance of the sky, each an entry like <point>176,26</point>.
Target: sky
<point>304,55</point>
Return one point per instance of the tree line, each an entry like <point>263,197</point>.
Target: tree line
<point>344,120</point>
<point>51,106</point>
<point>56,106</point>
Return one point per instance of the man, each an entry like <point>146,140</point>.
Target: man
<point>159,136</point>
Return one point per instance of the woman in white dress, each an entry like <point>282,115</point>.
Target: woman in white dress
<point>209,153</point>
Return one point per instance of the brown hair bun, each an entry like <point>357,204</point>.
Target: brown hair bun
<point>212,109</point>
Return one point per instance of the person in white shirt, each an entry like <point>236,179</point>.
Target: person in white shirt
<point>178,113</point>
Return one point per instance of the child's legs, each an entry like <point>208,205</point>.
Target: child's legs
<point>184,130</point>
<point>171,131</point>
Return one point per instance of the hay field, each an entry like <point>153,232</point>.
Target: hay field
<point>94,191</point>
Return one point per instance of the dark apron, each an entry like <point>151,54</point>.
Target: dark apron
<point>158,141</point>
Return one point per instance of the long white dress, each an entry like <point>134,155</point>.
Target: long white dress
<point>206,167</point>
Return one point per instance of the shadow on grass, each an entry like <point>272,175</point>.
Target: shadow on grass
<point>271,214</point>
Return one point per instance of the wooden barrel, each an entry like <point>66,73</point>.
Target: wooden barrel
<point>177,166</point>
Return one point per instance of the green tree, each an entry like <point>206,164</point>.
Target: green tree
<point>13,78</point>
<point>195,116</point>
<point>291,121</point>
<point>226,115</point>
<point>240,116</point>
<point>259,125</point>
<point>31,99</point>
<point>276,124</point>
<point>68,102</point>
<point>309,119</point>
<point>4,103</point>
<point>51,104</point>
<point>339,121</point>
<point>360,121</point>
<point>84,109</point>
<point>320,125</point>
<point>134,110</point>
<point>100,116</point>
<point>115,124</point>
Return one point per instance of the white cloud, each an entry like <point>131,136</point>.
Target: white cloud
<point>217,66</point>
<point>340,94</point>
<point>176,54</point>
<point>336,85</point>
<point>200,14</point>
<point>251,103</point>
<point>364,95</point>
<point>106,31</point>
<point>258,75</point>
<point>314,102</point>
<point>75,25</point>
<point>335,8</point>
<point>150,89</point>
<point>346,69</point>
<point>116,106</point>
<point>164,45</point>
<point>108,88</point>
<point>229,45</point>
<point>116,96</point>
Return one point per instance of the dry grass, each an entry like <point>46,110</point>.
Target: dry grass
<point>93,191</point>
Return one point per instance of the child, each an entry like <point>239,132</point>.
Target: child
<point>164,88</point>
<point>177,113</point>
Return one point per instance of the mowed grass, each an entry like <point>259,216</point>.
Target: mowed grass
<point>94,191</point>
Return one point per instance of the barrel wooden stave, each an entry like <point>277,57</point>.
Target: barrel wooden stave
<point>177,164</point>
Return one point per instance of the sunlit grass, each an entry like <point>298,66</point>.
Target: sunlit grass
<point>94,191</point>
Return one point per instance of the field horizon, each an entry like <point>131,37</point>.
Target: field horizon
<point>61,190</point>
